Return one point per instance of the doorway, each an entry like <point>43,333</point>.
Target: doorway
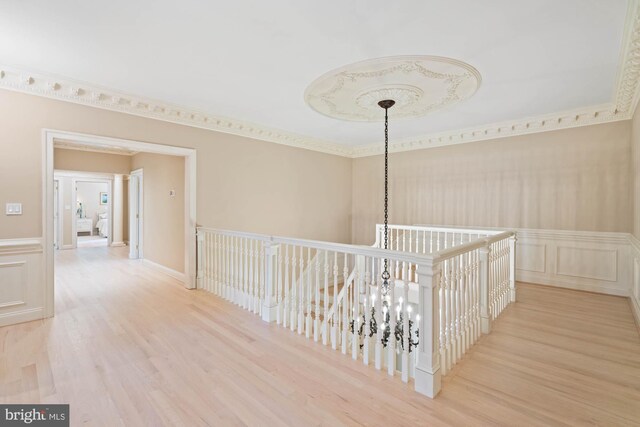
<point>188,156</point>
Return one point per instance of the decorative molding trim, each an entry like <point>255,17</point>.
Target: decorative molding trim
<point>623,104</point>
<point>563,120</point>
<point>20,246</point>
<point>21,316</point>
<point>64,89</point>
<point>78,147</point>
<point>166,270</point>
<point>634,295</point>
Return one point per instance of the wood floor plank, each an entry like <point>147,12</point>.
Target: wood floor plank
<point>130,346</point>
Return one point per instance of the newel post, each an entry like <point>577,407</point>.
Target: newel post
<point>427,374</point>
<point>199,250</point>
<point>269,307</point>
<point>485,313</point>
<point>512,266</point>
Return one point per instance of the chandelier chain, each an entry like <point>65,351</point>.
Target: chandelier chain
<point>385,273</point>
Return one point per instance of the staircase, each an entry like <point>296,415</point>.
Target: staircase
<point>446,287</point>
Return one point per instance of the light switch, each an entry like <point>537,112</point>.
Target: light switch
<point>14,209</point>
<point>172,193</point>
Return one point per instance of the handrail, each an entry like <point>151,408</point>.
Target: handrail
<point>371,251</point>
<point>330,246</point>
<point>440,229</point>
<point>449,253</point>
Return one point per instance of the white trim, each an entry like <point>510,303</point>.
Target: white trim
<point>166,270</point>
<point>21,316</point>
<point>136,198</point>
<point>83,175</point>
<point>48,138</point>
<point>118,244</point>
<point>621,107</point>
<point>20,246</point>
<point>634,294</point>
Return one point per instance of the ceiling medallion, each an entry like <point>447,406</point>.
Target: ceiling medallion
<point>418,84</point>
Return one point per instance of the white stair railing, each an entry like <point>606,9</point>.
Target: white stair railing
<point>438,303</point>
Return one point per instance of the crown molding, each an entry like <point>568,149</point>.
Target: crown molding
<point>624,102</point>
<point>563,120</point>
<point>69,90</point>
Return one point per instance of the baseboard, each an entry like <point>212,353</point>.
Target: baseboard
<point>21,316</point>
<point>118,244</point>
<point>181,277</point>
<point>67,247</point>
<point>578,285</point>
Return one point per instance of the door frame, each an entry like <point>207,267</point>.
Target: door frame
<point>49,136</point>
<point>136,176</point>
<point>57,224</point>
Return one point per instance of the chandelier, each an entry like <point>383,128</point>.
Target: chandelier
<point>414,86</point>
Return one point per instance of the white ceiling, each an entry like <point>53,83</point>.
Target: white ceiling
<point>252,60</point>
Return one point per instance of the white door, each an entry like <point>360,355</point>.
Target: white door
<point>136,217</point>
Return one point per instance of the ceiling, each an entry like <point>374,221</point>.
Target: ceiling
<point>251,61</point>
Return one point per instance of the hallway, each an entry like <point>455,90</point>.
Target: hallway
<point>131,346</point>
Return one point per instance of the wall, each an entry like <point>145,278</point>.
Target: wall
<point>88,193</point>
<point>242,184</point>
<point>573,179</point>
<point>163,214</point>
<point>89,161</point>
<point>635,195</point>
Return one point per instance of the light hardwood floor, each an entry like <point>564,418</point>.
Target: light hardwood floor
<point>130,346</point>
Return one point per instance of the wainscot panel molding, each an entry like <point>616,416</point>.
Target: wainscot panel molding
<point>21,277</point>
<point>587,261</point>
<point>635,285</point>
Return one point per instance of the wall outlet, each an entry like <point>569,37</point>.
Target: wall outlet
<point>14,209</point>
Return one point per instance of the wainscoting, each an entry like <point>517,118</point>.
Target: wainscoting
<point>635,286</point>
<point>588,261</point>
<point>606,263</point>
<point>21,280</point>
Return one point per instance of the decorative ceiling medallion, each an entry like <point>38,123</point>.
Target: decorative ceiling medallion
<point>418,84</point>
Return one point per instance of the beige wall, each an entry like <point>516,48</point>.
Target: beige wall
<point>573,179</point>
<point>88,193</point>
<point>88,161</point>
<point>163,214</point>
<point>635,161</point>
<point>243,184</point>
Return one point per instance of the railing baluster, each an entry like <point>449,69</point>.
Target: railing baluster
<point>325,301</point>
<point>301,305</point>
<point>366,311</point>
<point>336,313</point>
<point>345,305</point>
<point>294,291</point>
